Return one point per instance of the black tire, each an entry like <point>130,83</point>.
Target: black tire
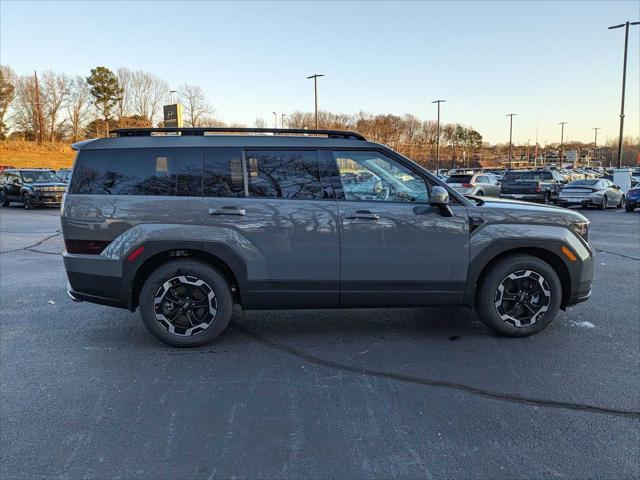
<point>480,194</point>
<point>629,208</point>
<point>621,204</point>
<point>603,205</point>
<point>547,198</point>
<point>529,270</point>
<point>3,199</point>
<point>158,285</point>
<point>27,201</point>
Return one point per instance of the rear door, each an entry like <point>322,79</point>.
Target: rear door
<point>276,210</point>
<point>395,248</point>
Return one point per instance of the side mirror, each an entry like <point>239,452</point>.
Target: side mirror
<point>439,196</point>
<point>16,181</point>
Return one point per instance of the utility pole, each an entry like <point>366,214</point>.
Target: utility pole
<point>510,115</point>
<point>282,120</point>
<point>40,119</point>
<point>624,81</point>
<point>275,120</point>
<point>438,138</point>
<point>562,141</point>
<point>315,77</point>
<point>528,140</point>
<point>595,142</point>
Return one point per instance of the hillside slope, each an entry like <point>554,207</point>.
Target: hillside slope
<point>31,155</point>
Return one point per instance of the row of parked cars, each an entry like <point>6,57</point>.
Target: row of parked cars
<point>566,188</point>
<point>33,187</point>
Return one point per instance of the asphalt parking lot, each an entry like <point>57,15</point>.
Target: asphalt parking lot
<point>86,392</point>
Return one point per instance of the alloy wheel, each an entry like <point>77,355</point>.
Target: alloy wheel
<point>522,298</point>
<point>185,305</point>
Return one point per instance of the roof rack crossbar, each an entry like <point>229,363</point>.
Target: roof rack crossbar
<point>145,132</point>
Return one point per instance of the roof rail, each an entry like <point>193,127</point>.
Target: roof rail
<point>146,132</point>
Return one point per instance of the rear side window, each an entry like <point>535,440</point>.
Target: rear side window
<point>459,179</point>
<point>284,174</point>
<point>223,176</point>
<point>139,171</point>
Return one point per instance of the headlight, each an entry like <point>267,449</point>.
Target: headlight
<point>582,229</point>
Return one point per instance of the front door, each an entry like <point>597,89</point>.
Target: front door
<point>275,210</point>
<point>395,248</point>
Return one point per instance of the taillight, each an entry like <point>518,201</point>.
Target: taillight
<point>87,247</point>
<point>467,185</point>
<point>538,189</point>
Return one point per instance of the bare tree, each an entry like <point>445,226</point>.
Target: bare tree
<point>123,106</point>
<point>78,106</point>
<point>55,90</point>
<point>7,94</point>
<point>147,94</point>
<point>196,106</point>
<point>25,107</point>
<point>260,123</point>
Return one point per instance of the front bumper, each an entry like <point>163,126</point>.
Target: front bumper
<point>632,202</point>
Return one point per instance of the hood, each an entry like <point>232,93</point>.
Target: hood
<point>499,209</point>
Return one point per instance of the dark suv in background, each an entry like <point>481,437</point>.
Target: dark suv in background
<point>182,223</point>
<point>32,187</point>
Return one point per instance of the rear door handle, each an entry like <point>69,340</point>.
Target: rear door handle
<point>362,215</point>
<point>241,212</point>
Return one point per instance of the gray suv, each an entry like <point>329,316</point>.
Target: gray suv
<point>183,223</point>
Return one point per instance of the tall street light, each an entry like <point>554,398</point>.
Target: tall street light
<point>282,120</point>
<point>595,142</point>
<point>562,141</point>
<point>315,77</point>
<point>438,138</point>
<point>624,81</point>
<point>510,115</point>
<point>275,120</point>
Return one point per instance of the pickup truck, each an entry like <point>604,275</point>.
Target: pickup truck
<point>541,186</point>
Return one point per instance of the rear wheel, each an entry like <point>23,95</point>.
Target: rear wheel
<point>3,199</point>
<point>520,296</point>
<point>186,303</point>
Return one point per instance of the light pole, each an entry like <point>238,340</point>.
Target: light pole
<point>172,97</point>
<point>282,120</point>
<point>275,120</point>
<point>595,142</point>
<point>510,115</point>
<point>315,77</point>
<point>438,138</point>
<point>562,141</point>
<point>624,81</point>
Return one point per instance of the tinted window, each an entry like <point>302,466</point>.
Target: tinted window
<point>511,176</point>
<point>372,176</point>
<point>284,174</point>
<point>459,179</point>
<point>577,183</point>
<point>223,172</point>
<point>536,176</point>
<point>140,171</point>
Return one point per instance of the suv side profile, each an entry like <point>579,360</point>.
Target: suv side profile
<point>183,223</point>
<point>475,184</point>
<point>33,187</point>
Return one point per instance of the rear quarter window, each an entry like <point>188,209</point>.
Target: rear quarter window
<point>139,171</point>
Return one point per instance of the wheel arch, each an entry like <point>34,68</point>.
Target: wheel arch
<point>481,267</point>
<point>231,269</point>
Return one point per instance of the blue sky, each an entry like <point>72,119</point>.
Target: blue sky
<point>547,61</point>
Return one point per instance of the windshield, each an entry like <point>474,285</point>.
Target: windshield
<point>35,176</point>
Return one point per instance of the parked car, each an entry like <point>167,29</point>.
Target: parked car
<point>183,226</point>
<point>32,187</point>
<point>632,201</point>
<point>478,184</point>
<point>64,175</point>
<point>541,186</point>
<point>592,192</point>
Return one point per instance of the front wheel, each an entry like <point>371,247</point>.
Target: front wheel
<point>519,296</point>
<point>621,204</point>
<point>547,198</point>
<point>605,202</point>
<point>186,303</point>
<point>3,199</point>
<point>27,201</point>
<point>629,208</point>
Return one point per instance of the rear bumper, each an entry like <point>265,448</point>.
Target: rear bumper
<point>95,279</point>
<point>583,201</point>
<point>527,197</point>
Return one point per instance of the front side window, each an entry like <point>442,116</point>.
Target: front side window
<point>284,174</point>
<point>372,176</point>
<point>139,171</point>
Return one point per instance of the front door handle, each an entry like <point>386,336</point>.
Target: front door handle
<point>241,212</point>
<point>362,215</point>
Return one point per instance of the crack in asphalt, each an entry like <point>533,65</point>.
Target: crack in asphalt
<point>481,392</point>
<point>618,254</point>
<point>38,243</point>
